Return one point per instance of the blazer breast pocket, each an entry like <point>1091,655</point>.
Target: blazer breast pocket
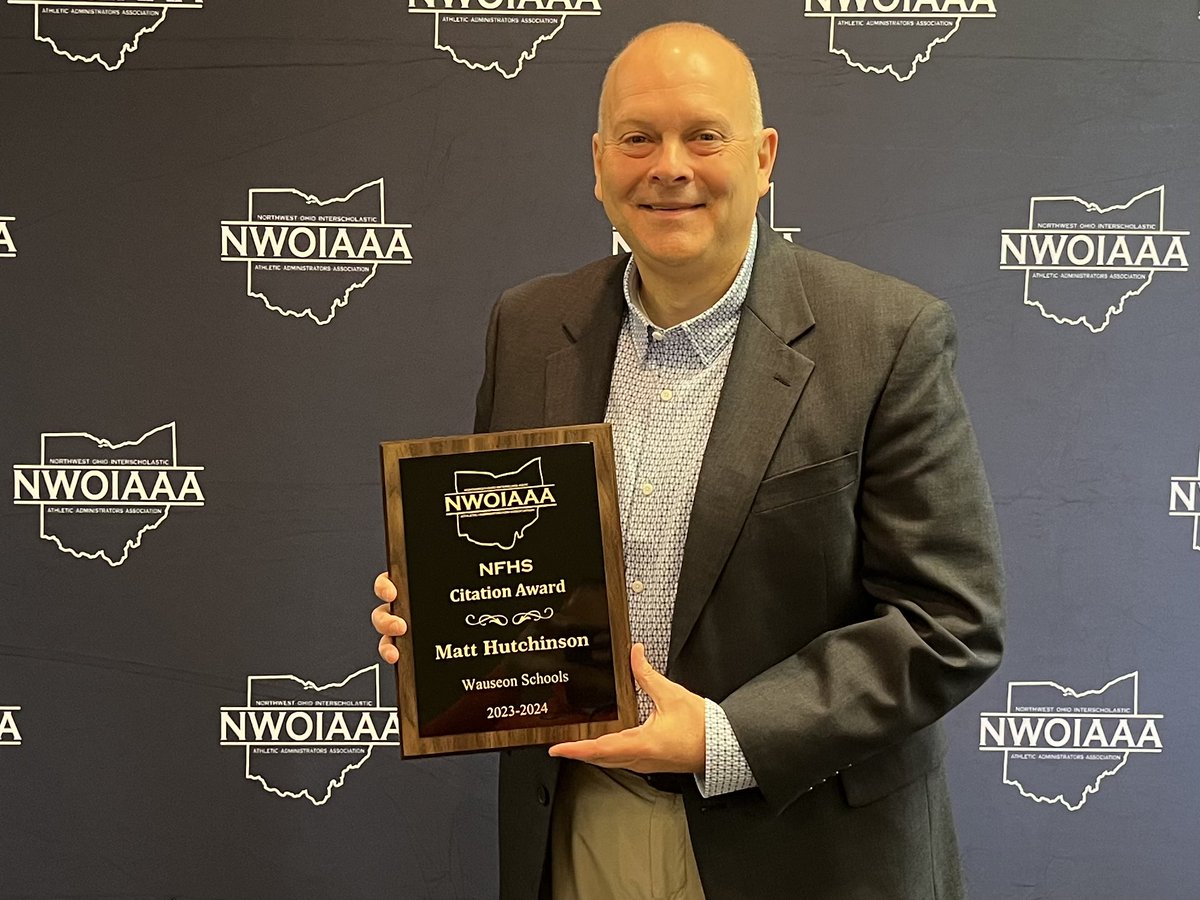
<point>806,483</point>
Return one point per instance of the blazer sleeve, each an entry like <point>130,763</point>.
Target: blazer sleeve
<point>930,564</point>
<point>487,387</point>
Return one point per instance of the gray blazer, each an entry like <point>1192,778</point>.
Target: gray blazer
<point>841,584</point>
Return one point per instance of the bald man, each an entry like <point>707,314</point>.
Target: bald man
<point>813,567</point>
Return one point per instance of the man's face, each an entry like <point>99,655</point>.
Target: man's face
<point>679,164</point>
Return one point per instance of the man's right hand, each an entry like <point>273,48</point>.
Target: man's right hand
<point>385,623</point>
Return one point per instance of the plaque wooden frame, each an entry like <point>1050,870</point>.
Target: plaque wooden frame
<point>413,744</point>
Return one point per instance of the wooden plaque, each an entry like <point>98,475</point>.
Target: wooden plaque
<point>505,550</point>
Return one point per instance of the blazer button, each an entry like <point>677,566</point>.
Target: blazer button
<point>543,795</point>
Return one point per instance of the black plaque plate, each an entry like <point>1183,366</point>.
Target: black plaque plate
<point>505,550</point>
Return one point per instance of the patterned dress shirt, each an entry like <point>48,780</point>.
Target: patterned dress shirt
<point>664,392</point>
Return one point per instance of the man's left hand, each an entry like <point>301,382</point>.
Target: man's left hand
<point>670,740</point>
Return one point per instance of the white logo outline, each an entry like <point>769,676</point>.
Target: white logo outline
<point>494,66</point>
<point>1089,789</point>
<point>1188,500</point>
<point>11,711</point>
<point>128,47</point>
<point>340,779</point>
<point>6,238</point>
<point>922,56</point>
<point>134,542</point>
<point>339,301</point>
<point>1094,208</point>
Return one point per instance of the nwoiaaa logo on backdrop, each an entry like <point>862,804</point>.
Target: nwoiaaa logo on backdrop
<point>1183,501</point>
<point>498,35</point>
<point>8,247</point>
<point>97,497</point>
<point>104,32</point>
<point>305,256</point>
<point>893,37</point>
<point>495,510</point>
<point>302,740</point>
<point>787,232</point>
<point>10,731</point>
<point>1083,261</point>
<point>1059,744</point>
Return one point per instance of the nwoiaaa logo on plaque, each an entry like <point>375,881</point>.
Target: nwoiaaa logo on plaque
<point>494,510</point>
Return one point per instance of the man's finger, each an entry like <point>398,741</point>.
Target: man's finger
<point>647,677</point>
<point>384,589</point>
<point>611,750</point>
<point>386,623</point>
<point>388,651</point>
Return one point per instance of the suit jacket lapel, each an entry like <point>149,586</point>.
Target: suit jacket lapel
<point>762,386</point>
<point>578,375</point>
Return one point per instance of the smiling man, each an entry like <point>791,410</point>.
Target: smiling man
<point>681,159</point>
<point>813,568</point>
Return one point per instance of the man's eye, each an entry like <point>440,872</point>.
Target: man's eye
<point>708,136</point>
<point>636,139</point>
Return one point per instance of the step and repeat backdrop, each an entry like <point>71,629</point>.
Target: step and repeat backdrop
<point>241,243</point>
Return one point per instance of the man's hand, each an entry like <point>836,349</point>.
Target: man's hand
<point>671,740</point>
<point>385,623</point>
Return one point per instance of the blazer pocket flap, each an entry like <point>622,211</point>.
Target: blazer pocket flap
<point>806,482</point>
<point>877,776</point>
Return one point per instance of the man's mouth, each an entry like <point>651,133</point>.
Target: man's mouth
<point>670,207</point>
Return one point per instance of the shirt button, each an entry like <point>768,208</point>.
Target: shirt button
<point>667,394</point>
<point>638,587</point>
<point>657,335</point>
<point>647,489</point>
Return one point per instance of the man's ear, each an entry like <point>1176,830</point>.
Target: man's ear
<point>768,146</point>
<point>597,190</point>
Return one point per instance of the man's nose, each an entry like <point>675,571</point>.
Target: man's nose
<point>672,163</point>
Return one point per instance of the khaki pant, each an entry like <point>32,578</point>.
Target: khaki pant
<point>612,837</point>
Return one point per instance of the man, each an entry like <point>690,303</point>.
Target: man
<point>812,557</point>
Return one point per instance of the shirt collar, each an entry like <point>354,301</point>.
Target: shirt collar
<point>708,333</point>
